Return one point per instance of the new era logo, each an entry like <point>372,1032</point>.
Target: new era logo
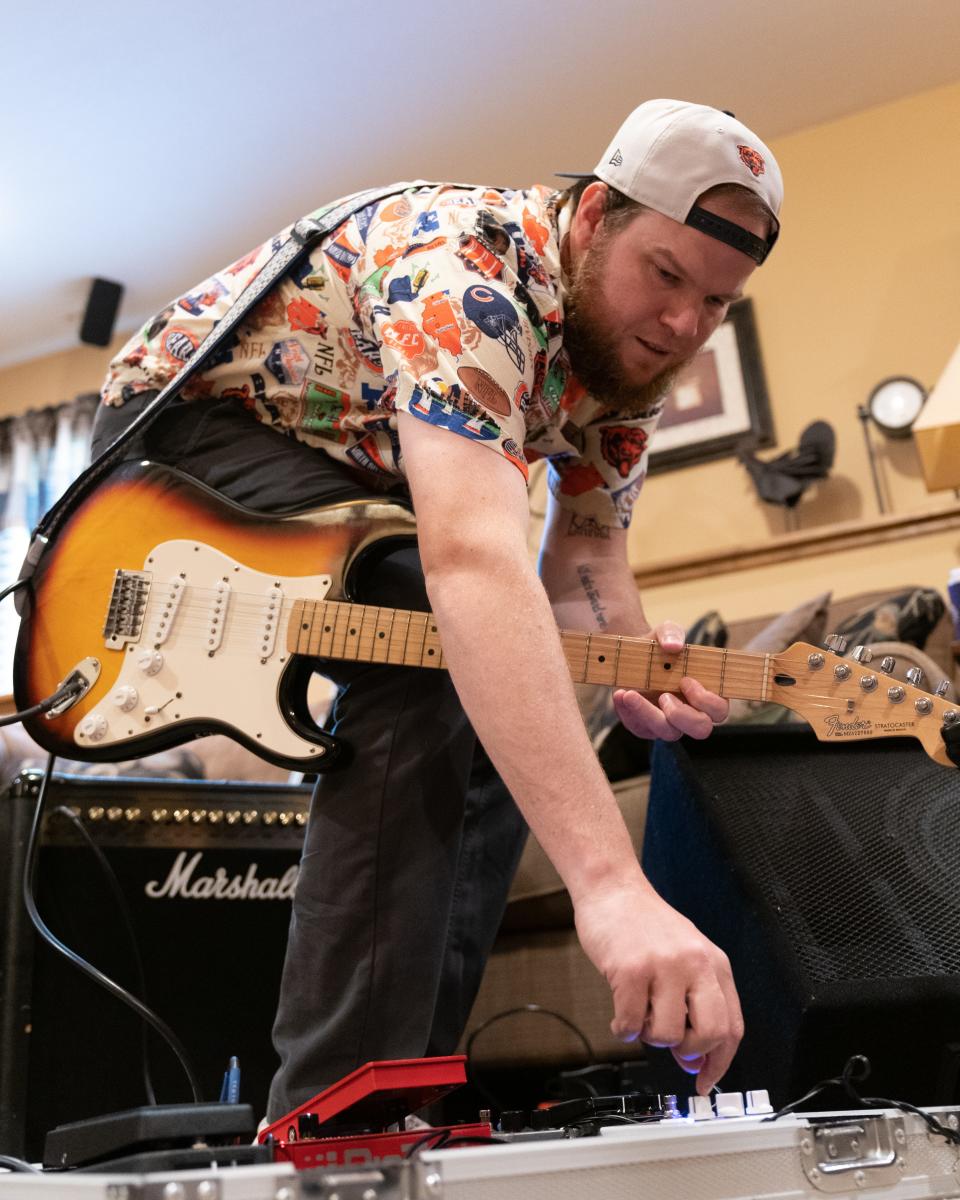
<point>617,160</point>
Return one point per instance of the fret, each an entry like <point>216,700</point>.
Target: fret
<point>397,640</point>
<point>600,668</point>
<point>322,643</point>
<point>616,665</point>
<point>366,648</point>
<point>574,645</point>
<point>766,673</point>
<point>432,654</point>
<point>317,620</point>
<point>341,623</point>
<point>723,670</point>
<point>413,652</point>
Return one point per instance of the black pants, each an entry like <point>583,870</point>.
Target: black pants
<point>410,851</point>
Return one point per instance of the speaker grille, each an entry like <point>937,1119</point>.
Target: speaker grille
<point>861,865</point>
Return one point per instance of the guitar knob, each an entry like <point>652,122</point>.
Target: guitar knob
<point>950,717</point>
<point>836,642</point>
<point>862,654</point>
<point>915,676</point>
<point>125,698</point>
<point>93,727</point>
<point>150,662</point>
<point>887,663</point>
<point>942,688</point>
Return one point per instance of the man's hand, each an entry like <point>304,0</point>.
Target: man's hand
<point>671,986</point>
<point>670,717</point>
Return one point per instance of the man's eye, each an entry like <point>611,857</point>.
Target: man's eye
<point>667,276</point>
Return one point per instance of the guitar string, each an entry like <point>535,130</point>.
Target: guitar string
<point>741,673</point>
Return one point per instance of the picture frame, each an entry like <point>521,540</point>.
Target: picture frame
<point>719,403</point>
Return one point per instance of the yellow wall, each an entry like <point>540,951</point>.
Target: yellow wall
<point>865,283</point>
<point>57,377</point>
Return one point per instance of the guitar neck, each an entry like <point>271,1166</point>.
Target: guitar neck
<point>359,633</point>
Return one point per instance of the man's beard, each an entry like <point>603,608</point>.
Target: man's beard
<point>592,348</point>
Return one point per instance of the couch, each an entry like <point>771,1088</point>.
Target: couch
<point>537,960</point>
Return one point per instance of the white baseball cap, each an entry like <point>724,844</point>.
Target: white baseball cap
<point>669,152</point>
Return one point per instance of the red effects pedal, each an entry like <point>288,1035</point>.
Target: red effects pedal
<point>360,1120</point>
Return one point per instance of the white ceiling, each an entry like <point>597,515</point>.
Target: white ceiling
<point>151,143</point>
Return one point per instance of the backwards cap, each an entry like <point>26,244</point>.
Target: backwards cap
<point>669,152</point>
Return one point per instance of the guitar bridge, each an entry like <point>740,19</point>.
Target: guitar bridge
<point>128,604</point>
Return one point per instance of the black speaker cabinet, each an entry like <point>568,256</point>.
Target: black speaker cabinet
<point>207,871</point>
<point>831,877</point>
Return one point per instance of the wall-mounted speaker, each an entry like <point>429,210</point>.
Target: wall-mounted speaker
<point>103,301</point>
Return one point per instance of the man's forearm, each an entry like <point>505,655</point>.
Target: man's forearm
<point>508,666</point>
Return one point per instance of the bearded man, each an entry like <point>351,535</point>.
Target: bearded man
<point>429,348</point>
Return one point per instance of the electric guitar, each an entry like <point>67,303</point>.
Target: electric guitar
<point>176,614</point>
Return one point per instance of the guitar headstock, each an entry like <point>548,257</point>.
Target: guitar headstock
<point>850,699</point>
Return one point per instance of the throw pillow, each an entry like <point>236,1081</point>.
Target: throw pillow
<point>908,616</point>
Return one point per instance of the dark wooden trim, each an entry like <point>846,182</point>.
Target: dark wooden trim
<point>832,539</point>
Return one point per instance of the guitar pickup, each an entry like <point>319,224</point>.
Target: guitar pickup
<point>271,619</point>
<point>218,616</point>
<point>169,602</point>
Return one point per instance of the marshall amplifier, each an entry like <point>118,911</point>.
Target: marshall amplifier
<point>208,871</point>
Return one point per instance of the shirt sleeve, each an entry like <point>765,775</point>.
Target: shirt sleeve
<point>457,343</point>
<point>155,353</point>
<point>604,480</point>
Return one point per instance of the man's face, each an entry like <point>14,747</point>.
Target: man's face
<point>644,299</point>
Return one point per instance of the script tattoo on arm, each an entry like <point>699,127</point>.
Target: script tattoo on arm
<point>587,527</point>
<point>585,575</point>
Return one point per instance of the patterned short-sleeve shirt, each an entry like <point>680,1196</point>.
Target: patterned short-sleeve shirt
<point>441,301</point>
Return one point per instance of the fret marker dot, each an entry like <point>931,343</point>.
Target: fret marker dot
<point>601,658</point>
<point>304,626</point>
<point>326,628</point>
<point>381,634</point>
<point>353,632</point>
<point>429,652</point>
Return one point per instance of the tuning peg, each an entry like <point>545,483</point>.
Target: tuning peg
<point>862,654</point>
<point>942,688</point>
<point>916,676</point>
<point>887,663</point>
<point>836,642</point>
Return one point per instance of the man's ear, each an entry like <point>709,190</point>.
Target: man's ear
<point>589,216</point>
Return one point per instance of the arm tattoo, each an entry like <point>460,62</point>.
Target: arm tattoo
<point>587,527</point>
<point>585,576</point>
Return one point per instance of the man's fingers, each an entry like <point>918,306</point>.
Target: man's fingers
<point>716,707</point>
<point>629,1011</point>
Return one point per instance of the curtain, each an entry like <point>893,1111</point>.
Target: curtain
<point>41,453</point>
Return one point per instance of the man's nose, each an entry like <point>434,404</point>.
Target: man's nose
<point>682,319</point>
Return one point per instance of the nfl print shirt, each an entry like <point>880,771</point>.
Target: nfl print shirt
<point>439,300</point>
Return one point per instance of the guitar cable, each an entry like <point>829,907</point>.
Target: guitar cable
<point>120,993</point>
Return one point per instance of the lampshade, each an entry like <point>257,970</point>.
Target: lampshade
<point>936,430</point>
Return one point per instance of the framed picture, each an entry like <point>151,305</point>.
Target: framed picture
<point>719,402</point>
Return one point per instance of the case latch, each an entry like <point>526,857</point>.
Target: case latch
<point>865,1152</point>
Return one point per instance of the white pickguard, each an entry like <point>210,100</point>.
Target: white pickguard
<point>210,648</point>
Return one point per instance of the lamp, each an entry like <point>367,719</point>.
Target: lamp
<point>893,406</point>
<point>936,432</point>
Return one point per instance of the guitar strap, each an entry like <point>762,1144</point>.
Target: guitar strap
<point>304,236</point>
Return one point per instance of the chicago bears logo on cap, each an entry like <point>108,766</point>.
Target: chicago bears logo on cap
<point>752,159</point>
